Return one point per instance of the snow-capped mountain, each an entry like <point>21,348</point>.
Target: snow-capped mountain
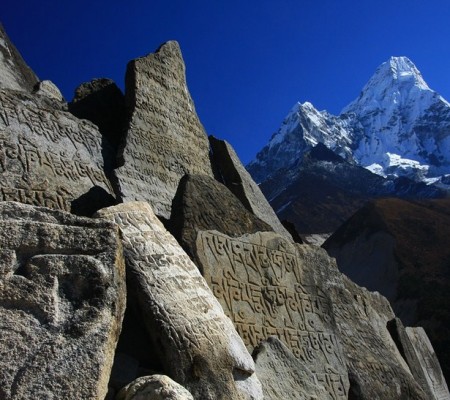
<point>397,126</point>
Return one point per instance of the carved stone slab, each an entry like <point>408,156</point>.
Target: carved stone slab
<point>283,376</point>
<point>199,346</point>
<point>62,299</point>
<point>261,283</point>
<point>239,181</point>
<point>271,287</point>
<point>47,157</point>
<point>429,363</point>
<point>165,138</point>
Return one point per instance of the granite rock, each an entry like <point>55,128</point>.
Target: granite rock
<point>198,345</point>
<point>48,157</point>
<point>154,387</point>
<point>62,299</point>
<point>269,286</point>
<point>283,376</point>
<point>202,203</point>
<point>14,72</point>
<point>165,139</point>
<point>429,363</point>
<point>235,177</point>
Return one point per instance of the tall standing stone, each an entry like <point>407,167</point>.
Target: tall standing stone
<point>62,300</point>
<point>199,346</point>
<point>236,178</point>
<point>165,139</point>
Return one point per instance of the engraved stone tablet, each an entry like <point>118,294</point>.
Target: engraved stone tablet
<point>62,299</point>
<point>264,287</point>
<point>272,287</point>
<point>283,376</point>
<point>165,138</point>
<point>429,363</point>
<point>236,178</point>
<point>48,157</point>
<point>199,346</point>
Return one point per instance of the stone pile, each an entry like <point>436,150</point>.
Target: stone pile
<point>182,284</point>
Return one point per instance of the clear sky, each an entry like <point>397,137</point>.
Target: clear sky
<point>248,62</point>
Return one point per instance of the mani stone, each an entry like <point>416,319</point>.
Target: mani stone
<point>154,387</point>
<point>283,376</point>
<point>201,203</point>
<point>49,89</point>
<point>199,347</point>
<point>236,178</point>
<point>165,139</point>
<point>14,72</point>
<point>429,363</point>
<point>62,299</point>
<point>48,157</point>
<point>269,286</point>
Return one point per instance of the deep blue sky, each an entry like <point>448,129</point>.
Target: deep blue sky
<point>247,62</point>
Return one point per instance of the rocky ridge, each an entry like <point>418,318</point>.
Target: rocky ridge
<point>190,320</point>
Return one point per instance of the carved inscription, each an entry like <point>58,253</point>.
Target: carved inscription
<point>47,157</point>
<point>262,288</point>
<point>165,138</point>
<point>181,314</point>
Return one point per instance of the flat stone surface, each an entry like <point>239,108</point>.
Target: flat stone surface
<point>14,72</point>
<point>236,178</point>
<point>202,203</point>
<point>429,363</point>
<point>199,347</point>
<point>62,299</point>
<point>47,156</point>
<point>283,376</point>
<point>165,139</point>
<point>269,286</point>
<point>154,387</point>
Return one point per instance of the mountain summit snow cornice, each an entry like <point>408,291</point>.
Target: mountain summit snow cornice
<point>397,126</point>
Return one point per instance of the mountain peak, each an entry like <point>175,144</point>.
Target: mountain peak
<point>403,69</point>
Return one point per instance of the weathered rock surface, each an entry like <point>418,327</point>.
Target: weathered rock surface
<point>202,203</point>
<point>47,156</point>
<point>429,363</point>
<point>14,72</point>
<point>283,376</point>
<point>165,139</point>
<point>103,103</point>
<point>400,248</point>
<point>154,387</point>
<point>235,177</point>
<point>271,287</point>
<point>62,299</point>
<point>49,89</point>
<point>199,346</point>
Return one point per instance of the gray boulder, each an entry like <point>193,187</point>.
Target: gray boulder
<point>62,299</point>
<point>199,347</point>
<point>154,387</point>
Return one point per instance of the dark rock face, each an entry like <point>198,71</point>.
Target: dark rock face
<point>102,102</point>
<point>14,72</point>
<point>165,139</point>
<point>235,177</point>
<point>202,203</point>
<point>400,249</point>
<point>62,301</point>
